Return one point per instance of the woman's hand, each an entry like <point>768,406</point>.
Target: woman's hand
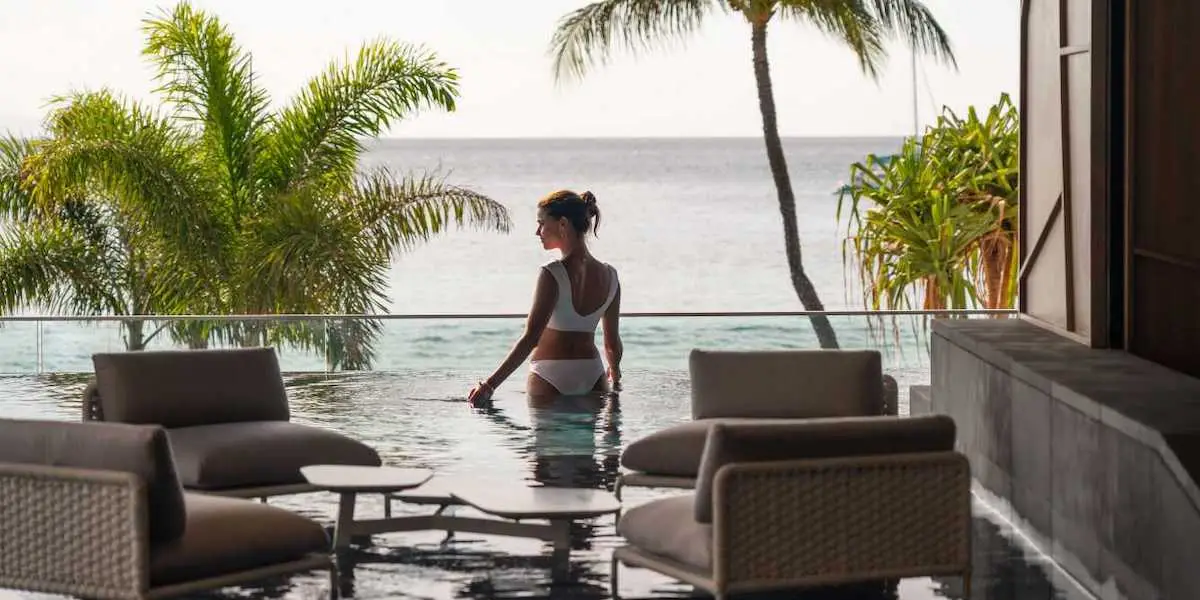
<point>481,394</point>
<point>614,376</point>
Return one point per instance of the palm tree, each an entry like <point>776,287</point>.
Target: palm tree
<point>225,206</point>
<point>587,35</point>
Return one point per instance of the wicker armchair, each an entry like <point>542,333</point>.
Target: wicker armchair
<point>736,387</point>
<point>781,506</point>
<point>226,413</point>
<point>95,510</point>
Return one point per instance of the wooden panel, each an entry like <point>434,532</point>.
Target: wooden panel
<point>1165,323</point>
<point>1078,23</point>
<point>1079,140</point>
<point>1043,289</point>
<point>1163,170</point>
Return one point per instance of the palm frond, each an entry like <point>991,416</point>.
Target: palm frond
<point>307,256</point>
<point>849,21</point>
<point>586,37</point>
<point>912,21</point>
<point>202,71</point>
<point>16,203</point>
<point>52,268</point>
<point>399,212</point>
<point>131,155</point>
<point>319,135</point>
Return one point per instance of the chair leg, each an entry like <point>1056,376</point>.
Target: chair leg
<point>613,582</point>
<point>967,586</point>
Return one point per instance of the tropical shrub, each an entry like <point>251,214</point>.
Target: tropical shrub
<point>214,203</point>
<point>934,226</point>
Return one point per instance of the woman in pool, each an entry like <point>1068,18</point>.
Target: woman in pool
<point>573,295</point>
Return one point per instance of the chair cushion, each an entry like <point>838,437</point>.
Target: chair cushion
<point>786,383</point>
<point>181,388</point>
<point>667,527</point>
<point>674,451</point>
<point>227,535</point>
<point>769,440</point>
<point>142,450</point>
<point>233,455</point>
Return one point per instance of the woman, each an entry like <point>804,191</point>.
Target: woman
<point>573,295</point>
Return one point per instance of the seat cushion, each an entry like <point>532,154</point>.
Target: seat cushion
<point>142,450</point>
<point>234,455</point>
<point>786,383</point>
<point>769,440</point>
<point>181,388</point>
<point>226,535</point>
<point>667,527</point>
<point>676,450</point>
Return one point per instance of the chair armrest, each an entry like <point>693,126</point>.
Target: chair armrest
<point>76,532</point>
<point>813,522</point>
<point>91,402</point>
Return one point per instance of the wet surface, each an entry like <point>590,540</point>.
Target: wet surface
<point>418,419</point>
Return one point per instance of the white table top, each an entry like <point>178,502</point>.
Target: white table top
<point>520,502</point>
<point>354,478</point>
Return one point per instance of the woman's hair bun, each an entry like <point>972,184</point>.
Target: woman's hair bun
<point>588,198</point>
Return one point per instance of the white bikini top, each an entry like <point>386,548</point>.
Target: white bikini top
<point>564,317</point>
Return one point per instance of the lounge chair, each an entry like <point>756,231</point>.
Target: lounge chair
<point>735,387</point>
<point>782,506</point>
<point>227,416</point>
<point>96,510</point>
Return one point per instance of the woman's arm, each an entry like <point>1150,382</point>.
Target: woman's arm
<point>612,339</point>
<point>544,298</point>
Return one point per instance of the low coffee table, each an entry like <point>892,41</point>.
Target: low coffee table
<point>348,481</point>
<point>514,510</point>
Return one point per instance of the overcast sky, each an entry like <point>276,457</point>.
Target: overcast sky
<point>702,88</point>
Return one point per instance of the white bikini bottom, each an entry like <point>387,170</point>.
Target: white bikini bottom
<point>571,377</point>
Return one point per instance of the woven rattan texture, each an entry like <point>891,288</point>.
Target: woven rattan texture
<point>69,535</point>
<point>827,522</point>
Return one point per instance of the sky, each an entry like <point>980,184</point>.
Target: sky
<point>703,87</point>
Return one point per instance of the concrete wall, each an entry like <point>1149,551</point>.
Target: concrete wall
<point>1094,481</point>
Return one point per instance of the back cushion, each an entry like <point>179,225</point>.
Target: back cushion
<point>821,438</point>
<point>181,388</point>
<point>786,383</point>
<point>139,449</point>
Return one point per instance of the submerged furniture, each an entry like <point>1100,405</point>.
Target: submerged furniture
<point>226,414</point>
<point>96,510</point>
<point>780,506</point>
<point>736,387</point>
<point>543,513</point>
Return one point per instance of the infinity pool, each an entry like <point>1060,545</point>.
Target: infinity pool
<point>418,419</point>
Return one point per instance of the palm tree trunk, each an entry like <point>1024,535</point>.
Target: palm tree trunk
<point>783,186</point>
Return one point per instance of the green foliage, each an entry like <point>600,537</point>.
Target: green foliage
<point>940,220</point>
<point>587,36</point>
<point>213,203</point>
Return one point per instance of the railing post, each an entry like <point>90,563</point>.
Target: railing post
<point>38,342</point>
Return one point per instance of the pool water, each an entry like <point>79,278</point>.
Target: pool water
<point>419,419</point>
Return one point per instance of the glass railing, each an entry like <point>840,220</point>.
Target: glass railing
<point>329,343</point>
<point>440,356</point>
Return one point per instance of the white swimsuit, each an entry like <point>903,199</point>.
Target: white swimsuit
<point>576,376</point>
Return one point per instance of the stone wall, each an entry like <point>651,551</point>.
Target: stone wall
<point>1082,447</point>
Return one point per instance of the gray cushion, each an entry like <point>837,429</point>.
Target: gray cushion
<point>226,535</point>
<point>786,383</point>
<point>676,450</point>
<point>142,450</point>
<point>232,455</point>
<point>180,388</point>
<point>819,438</point>
<point>667,527</point>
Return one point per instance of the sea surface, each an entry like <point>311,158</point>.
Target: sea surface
<point>691,225</point>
